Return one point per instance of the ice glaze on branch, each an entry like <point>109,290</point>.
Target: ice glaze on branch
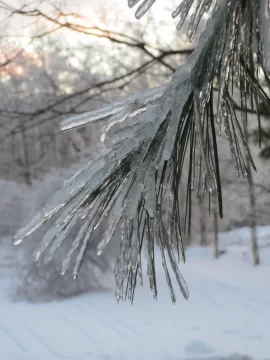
<point>134,181</point>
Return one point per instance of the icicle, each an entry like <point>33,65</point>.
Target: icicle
<point>61,237</point>
<point>179,278</point>
<point>171,215</point>
<point>141,99</point>
<point>75,245</point>
<point>209,171</point>
<point>58,226</point>
<point>151,258</point>
<point>132,3</point>
<point>90,175</point>
<point>201,9</point>
<point>167,275</point>
<point>177,108</point>
<point>226,60</point>
<point>143,8</point>
<point>113,222</point>
<point>135,245</point>
<point>115,130</point>
<point>183,10</point>
<point>79,259</point>
<point>84,235</point>
<point>134,195</point>
<point>119,268</point>
<point>150,191</point>
<point>91,116</point>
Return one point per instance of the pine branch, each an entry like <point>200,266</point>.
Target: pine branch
<point>146,142</point>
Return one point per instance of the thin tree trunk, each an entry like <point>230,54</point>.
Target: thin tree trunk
<point>216,247</point>
<point>202,223</point>
<point>26,169</point>
<point>253,225</point>
<point>252,202</point>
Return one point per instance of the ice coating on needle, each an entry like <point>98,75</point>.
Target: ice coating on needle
<point>144,7</point>
<point>149,141</point>
<point>108,111</point>
<point>196,9</point>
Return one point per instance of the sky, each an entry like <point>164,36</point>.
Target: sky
<point>156,28</point>
<point>101,13</point>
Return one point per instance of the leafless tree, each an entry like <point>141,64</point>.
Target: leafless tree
<point>53,80</point>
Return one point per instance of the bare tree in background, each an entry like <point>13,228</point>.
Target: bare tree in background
<point>215,226</point>
<point>55,79</point>
<point>203,236</point>
<point>253,212</point>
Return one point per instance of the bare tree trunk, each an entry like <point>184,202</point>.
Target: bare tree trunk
<point>202,223</point>
<point>186,240</point>
<point>216,228</point>
<point>253,225</point>
<point>26,169</point>
<point>252,202</point>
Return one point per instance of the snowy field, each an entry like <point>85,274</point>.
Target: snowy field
<point>227,316</point>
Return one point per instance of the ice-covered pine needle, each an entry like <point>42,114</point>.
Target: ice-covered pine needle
<point>133,184</point>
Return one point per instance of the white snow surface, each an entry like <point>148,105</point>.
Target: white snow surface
<point>227,315</point>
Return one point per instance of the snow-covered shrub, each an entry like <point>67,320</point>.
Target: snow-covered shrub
<point>13,196</point>
<point>43,281</point>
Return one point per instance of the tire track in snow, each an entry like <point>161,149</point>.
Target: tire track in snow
<point>133,331</point>
<point>57,354</point>
<point>211,285</point>
<point>112,324</point>
<point>221,287</point>
<point>244,295</point>
<point>86,334</point>
<point>217,290</point>
<point>204,295</point>
<point>13,338</point>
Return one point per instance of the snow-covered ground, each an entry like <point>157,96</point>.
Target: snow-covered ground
<point>228,313</point>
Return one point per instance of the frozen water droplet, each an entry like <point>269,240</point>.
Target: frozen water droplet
<point>18,241</point>
<point>99,252</point>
